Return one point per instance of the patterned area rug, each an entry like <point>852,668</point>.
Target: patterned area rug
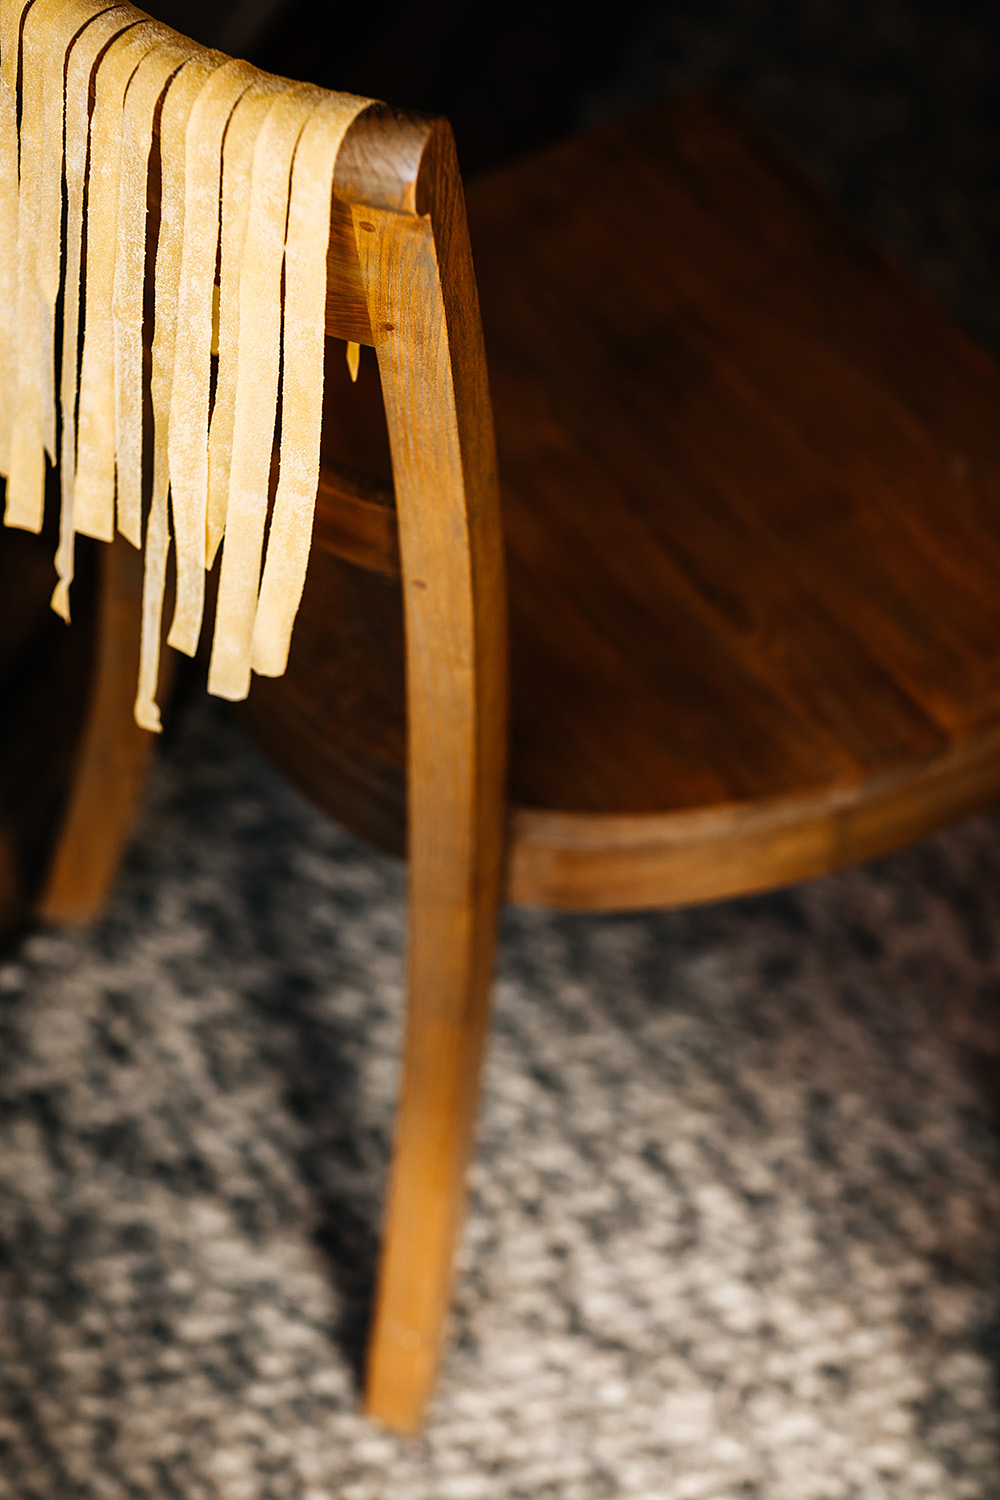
<point>734,1217</point>
<point>736,1209</point>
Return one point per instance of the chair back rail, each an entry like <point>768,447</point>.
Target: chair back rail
<point>400,176</point>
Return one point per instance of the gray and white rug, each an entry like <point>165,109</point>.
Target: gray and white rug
<point>735,1214</point>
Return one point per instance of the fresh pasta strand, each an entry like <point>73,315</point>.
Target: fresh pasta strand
<point>8,268</point>
<point>237,160</point>
<point>66,19</point>
<point>26,456</point>
<point>145,90</point>
<point>11,13</point>
<point>94,490</point>
<point>256,390</point>
<point>187,441</point>
<point>83,55</point>
<point>303,344</point>
<point>154,578</point>
<point>48,32</point>
<point>181,94</point>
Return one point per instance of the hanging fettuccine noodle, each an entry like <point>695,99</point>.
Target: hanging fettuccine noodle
<point>80,65</point>
<point>10,34</point>
<point>247,165</point>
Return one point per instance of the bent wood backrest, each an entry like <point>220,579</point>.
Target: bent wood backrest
<point>397,178</point>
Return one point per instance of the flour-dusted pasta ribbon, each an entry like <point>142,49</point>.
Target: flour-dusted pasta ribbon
<point>49,29</point>
<point>94,490</point>
<point>64,22</point>
<point>11,13</point>
<point>256,390</point>
<point>303,346</point>
<point>145,91</point>
<point>187,441</point>
<point>237,161</point>
<point>30,432</point>
<point>177,106</point>
<point>83,55</point>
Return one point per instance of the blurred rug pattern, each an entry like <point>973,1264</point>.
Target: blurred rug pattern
<point>735,1214</point>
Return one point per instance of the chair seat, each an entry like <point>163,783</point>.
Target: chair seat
<point>751,488</point>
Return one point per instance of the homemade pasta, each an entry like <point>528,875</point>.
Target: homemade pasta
<point>187,438</point>
<point>83,56</point>
<point>145,91</point>
<point>237,159</point>
<point>28,431</point>
<point>302,386</point>
<point>257,365</point>
<point>11,12</point>
<point>177,108</point>
<point>94,490</point>
<point>238,270</point>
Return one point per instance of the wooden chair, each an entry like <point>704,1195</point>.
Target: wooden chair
<point>751,503</point>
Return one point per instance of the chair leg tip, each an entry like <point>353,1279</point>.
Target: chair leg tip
<point>398,1388</point>
<point>404,1419</point>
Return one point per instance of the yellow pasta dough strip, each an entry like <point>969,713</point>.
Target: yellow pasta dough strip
<point>94,490</point>
<point>303,344</point>
<point>8,267</point>
<point>26,455</point>
<point>154,577</point>
<point>65,19</point>
<point>48,29</point>
<point>8,228</point>
<point>145,90</point>
<point>181,94</point>
<point>237,160</point>
<point>11,13</point>
<point>82,58</point>
<point>256,390</point>
<point>187,442</point>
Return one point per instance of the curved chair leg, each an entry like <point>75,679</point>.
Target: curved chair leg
<point>113,756</point>
<point>425,320</point>
<point>447,1019</point>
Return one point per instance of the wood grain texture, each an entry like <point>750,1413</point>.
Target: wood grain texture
<point>356,519</point>
<point>751,486</point>
<point>751,483</point>
<point>413,246</point>
<point>590,861</point>
<point>379,164</point>
<point>346,309</point>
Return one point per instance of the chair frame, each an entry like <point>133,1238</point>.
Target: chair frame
<point>400,278</point>
<point>404,190</point>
